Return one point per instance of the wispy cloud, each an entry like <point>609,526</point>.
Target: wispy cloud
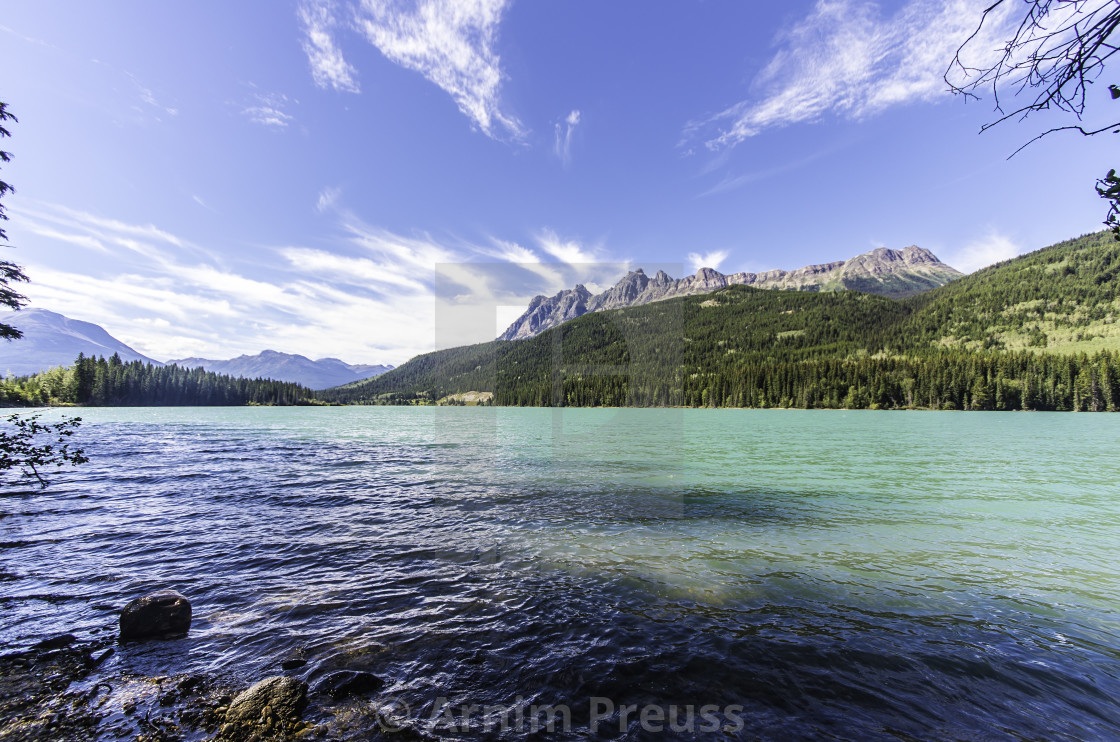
<point>731,182</point>
<point>364,294</point>
<point>452,44</point>
<point>149,97</point>
<point>268,110</point>
<point>93,232</point>
<point>175,300</point>
<point>567,251</point>
<point>564,132</point>
<point>511,252</point>
<point>711,259</point>
<point>145,107</point>
<point>984,251</point>
<point>28,39</point>
<point>556,264</point>
<point>849,59</point>
<point>328,67</point>
<point>327,199</point>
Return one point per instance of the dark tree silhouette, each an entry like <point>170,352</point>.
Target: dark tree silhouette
<point>1056,52</point>
<point>1108,188</point>
<point>24,447</point>
<point>9,272</point>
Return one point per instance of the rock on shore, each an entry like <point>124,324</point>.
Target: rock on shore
<point>161,615</point>
<point>285,697</point>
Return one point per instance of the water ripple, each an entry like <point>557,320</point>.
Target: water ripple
<point>814,569</point>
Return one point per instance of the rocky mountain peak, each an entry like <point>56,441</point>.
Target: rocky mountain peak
<point>914,255</point>
<point>894,273</point>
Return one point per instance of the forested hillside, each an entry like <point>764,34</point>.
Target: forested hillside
<point>1063,298</point>
<point>96,381</point>
<point>957,347</point>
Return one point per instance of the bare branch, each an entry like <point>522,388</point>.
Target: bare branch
<point>1058,50</point>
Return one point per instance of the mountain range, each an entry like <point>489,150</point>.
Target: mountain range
<point>1040,331</point>
<point>270,364</point>
<point>51,339</point>
<point>892,273</point>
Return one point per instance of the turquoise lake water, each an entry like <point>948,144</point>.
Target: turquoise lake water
<point>864,575</point>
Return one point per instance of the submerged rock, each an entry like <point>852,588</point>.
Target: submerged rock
<point>57,642</point>
<point>346,683</point>
<point>161,615</point>
<point>278,698</point>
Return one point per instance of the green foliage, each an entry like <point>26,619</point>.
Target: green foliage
<point>9,272</point>
<point>1108,188</point>
<point>100,382</point>
<point>745,347</point>
<point>29,446</point>
<point>1070,285</point>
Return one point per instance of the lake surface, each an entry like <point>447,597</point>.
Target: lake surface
<point>741,574</point>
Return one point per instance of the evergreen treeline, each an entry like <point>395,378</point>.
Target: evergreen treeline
<point>100,382</point>
<point>746,347</point>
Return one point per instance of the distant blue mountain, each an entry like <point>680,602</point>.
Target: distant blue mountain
<point>270,364</point>
<point>50,339</point>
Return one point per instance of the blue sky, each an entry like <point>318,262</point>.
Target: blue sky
<point>220,178</point>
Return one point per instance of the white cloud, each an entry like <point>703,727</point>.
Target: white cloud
<point>566,251</point>
<point>564,130</point>
<point>328,67</point>
<point>95,233</point>
<point>176,300</point>
<point>511,252</point>
<point>327,198</point>
<point>980,253</point>
<point>365,272</point>
<point>846,58</point>
<point>268,110</point>
<point>710,259</point>
<point>149,98</point>
<point>367,295</point>
<point>451,43</point>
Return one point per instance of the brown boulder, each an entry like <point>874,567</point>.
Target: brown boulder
<point>280,698</point>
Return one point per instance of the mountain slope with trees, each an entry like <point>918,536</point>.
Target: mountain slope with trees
<point>960,346</point>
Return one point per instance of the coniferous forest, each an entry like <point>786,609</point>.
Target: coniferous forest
<point>101,382</point>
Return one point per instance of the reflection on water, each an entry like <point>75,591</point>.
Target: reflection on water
<point>865,575</point>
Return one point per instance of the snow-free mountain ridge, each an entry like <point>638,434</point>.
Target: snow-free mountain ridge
<point>893,273</point>
<point>270,364</point>
<point>51,339</point>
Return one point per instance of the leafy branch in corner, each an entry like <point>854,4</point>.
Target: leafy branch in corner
<point>31,445</point>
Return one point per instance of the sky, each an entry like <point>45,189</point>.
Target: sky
<point>370,179</point>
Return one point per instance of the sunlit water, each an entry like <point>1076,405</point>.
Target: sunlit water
<point>865,575</point>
